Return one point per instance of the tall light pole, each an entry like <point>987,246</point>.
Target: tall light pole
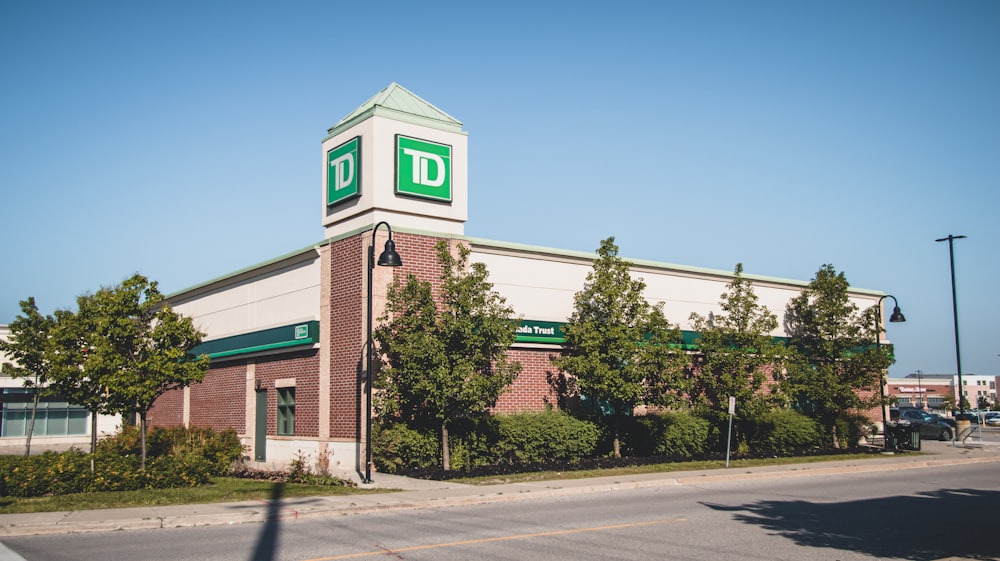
<point>920,389</point>
<point>954,306</point>
<point>896,317</point>
<point>388,258</point>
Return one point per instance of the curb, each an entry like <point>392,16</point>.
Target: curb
<point>448,497</point>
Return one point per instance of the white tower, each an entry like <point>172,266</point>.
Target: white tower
<point>396,158</point>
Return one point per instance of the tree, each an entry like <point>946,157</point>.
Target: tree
<point>28,349</point>
<point>835,364</point>
<point>620,349</point>
<point>445,358</point>
<point>121,350</point>
<point>142,346</point>
<point>736,349</point>
<point>74,375</point>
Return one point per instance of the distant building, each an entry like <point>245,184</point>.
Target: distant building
<point>59,425</point>
<point>931,390</point>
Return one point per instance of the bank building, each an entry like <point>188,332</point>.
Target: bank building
<point>287,337</point>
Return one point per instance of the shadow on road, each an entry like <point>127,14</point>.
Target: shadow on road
<point>920,527</point>
<point>267,543</point>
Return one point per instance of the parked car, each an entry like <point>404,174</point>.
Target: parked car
<point>930,427</point>
<point>971,416</point>
<point>951,422</point>
<point>992,418</point>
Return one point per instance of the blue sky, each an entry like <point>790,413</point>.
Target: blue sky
<point>181,140</point>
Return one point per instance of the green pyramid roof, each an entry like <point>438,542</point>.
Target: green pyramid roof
<point>396,102</point>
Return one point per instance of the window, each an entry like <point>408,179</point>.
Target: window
<point>286,411</point>
<point>54,416</point>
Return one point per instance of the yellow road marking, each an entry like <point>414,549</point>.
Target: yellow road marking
<point>496,539</point>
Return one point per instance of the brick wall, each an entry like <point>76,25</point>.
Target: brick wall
<point>347,278</point>
<point>533,390</point>
<point>303,366</point>
<point>348,274</point>
<point>167,410</point>
<point>219,401</point>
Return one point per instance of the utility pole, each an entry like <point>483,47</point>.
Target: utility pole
<point>954,306</point>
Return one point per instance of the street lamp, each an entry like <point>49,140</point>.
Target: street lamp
<point>954,306</point>
<point>896,317</point>
<point>920,389</point>
<point>388,258</point>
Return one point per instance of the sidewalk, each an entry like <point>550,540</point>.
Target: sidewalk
<point>414,493</point>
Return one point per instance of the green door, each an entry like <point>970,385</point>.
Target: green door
<point>260,428</point>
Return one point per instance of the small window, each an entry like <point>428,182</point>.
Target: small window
<point>286,411</point>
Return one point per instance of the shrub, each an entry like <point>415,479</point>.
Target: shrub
<point>398,448</point>
<point>538,438</point>
<point>196,444</point>
<point>682,434</point>
<point>783,432</point>
<point>62,473</point>
<point>851,428</point>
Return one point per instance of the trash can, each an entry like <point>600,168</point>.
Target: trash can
<point>889,434</point>
<point>914,438</point>
<point>962,429</point>
<point>903,437</point>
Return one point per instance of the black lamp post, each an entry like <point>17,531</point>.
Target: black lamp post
<point>954,306</point>
<point>388,258</point>
<point>896,317</point>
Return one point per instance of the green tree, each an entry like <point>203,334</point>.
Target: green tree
<point>143,347</point>
<point>445,358</point>
<point>28,349</point>
<point>620,350</point>
<point>736,349</point>
<point>74,374</point>
<point>835,367</point>
<point>122,349</point>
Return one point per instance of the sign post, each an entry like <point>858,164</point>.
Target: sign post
<point>729,437</point>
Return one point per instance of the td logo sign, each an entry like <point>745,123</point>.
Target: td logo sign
<point>423,169</point>
<point>343,171</point>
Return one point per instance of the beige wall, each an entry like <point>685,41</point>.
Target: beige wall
<point>378,200</point>
<point>540,283</point>
<point>270,295</point>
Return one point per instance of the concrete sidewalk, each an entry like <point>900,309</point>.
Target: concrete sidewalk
<point>414,493</point>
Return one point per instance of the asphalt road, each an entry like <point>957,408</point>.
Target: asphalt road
<point>918,514</point>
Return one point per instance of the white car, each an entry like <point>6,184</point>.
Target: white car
<point>992,418</point>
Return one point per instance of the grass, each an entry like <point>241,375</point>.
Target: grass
<point>231,489</point>
<point>221,489</point>
<point>651,468</point>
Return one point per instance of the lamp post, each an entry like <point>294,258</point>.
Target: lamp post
<point>954,306</point>
<point>388,258</point>
<point>920,389</point>
<point>896,317</point>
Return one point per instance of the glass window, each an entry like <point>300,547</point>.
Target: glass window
<point>286,411</point>
<point>53,417</point>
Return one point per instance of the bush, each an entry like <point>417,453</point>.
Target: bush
<point>196,444</point>
<point>783,432</point>
<point>677,434</point>
<point>49,473</point>
<point>538,438</point>
<point>851,428</point>
<point>397,448</point>
<point>52,473</point>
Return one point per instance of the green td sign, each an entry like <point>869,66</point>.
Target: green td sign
<point>423,169</point>
<point>343,172</point>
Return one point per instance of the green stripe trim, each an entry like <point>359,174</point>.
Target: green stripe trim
<point>550,332</point>
<point>286,336</point>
